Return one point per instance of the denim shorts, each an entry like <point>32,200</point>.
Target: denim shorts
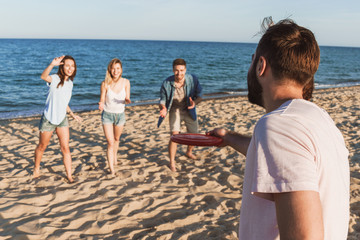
<point>117,119</point>
<point>46,126</point>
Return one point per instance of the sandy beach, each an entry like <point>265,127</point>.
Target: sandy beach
<point>145,200</point>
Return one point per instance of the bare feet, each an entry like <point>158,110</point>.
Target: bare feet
<point>172,168</point>
<point>36,173</point>
<point>192,156</point>
<point>71,180</point>
<point>112,174</point>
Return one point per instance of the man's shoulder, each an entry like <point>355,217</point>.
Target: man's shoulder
<point>296,113</point>
<point>191,77</point>
<point>170,79</point>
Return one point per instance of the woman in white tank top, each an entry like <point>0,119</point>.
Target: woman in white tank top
<point>115,93</point>
<point>115,102</point>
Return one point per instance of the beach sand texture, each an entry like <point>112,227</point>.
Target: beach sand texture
<point>145,200</point>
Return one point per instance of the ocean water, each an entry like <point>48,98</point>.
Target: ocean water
<point>220,67</point>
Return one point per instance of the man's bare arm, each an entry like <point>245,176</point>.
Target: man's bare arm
<point>299,215</point>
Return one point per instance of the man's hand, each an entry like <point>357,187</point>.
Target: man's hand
<point>163,112</point>
<point>235,140</point>
<point>219,132</point>
<point>192,103</point>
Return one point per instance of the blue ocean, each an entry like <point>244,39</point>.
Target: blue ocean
<point>220,67</point>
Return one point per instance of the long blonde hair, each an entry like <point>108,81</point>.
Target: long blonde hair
<point>108,76</point>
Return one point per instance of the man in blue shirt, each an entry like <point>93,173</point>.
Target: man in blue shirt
<point>179,94</point>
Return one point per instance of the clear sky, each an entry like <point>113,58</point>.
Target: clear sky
<point>334,22</point>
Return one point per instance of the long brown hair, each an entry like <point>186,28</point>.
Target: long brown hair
<point>61,72</point>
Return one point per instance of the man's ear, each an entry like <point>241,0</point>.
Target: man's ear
<point>261,66</point>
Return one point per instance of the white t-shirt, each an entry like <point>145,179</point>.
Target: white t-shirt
<point>57,100</point>
<point>295,148</point>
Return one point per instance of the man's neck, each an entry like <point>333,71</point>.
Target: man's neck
<point>279,94</point>
<point>180,80</point>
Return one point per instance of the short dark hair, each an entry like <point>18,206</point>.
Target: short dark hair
<point>291,51</point>
<point>179,61</point>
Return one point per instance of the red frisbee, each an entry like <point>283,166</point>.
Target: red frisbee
<point>195,139</point>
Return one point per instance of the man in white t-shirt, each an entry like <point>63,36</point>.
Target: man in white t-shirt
<point>296,183</point>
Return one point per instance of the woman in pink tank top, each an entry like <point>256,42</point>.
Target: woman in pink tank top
<point>115,93</point>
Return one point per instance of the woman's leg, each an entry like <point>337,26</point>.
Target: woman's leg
<point>64,136</point>
<point>117,134</point>
<point>109,135</point>
<point>44,139</point>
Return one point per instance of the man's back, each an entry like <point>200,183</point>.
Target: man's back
<point>297,147</point>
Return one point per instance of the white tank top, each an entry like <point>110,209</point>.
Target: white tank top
<point>115,102</point>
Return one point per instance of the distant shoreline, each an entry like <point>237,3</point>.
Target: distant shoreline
<point>94,106</point>
<point>206,97</point>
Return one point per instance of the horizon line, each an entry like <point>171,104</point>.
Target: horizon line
<point>125,39</point>
<point>154,40</point>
